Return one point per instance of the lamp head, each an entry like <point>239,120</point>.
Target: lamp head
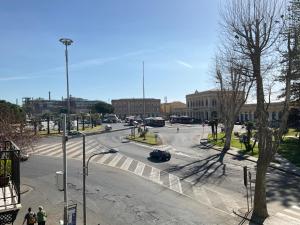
<point>66,41</point>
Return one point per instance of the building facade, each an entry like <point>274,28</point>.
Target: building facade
<point>39,106</point>
<point>135,107</point>
<point>171,107</point>
<point>206,106</point>
<point>203,105</point>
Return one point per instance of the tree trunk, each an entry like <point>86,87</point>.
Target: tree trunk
<point>228,134</point>
<point>260,210</point>
<point>48,125</point>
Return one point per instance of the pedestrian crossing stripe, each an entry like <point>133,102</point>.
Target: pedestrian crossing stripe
<point>115,160</point>
<point>74,150</point>
<point>126,164</point>
<point>139,168</point>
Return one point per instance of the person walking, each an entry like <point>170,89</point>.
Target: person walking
<point>30,217</point>
<point>41,216</point>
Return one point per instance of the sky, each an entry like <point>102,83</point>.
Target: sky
<point>176,39</point>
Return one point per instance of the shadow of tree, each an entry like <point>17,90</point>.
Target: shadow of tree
<point>201,169</point>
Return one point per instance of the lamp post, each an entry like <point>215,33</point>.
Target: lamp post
<point>67,42</point>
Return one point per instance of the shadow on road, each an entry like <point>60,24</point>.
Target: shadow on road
<point>203,168</point>
<point>155,160</point>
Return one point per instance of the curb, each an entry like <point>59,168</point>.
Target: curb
<point>272,165</point>
<point>26,188</point>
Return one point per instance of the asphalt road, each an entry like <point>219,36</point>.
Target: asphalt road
<point>114,197</point>
<point>201,176</point>
<point>200,166</point>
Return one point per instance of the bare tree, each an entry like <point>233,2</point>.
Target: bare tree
<point>13,126</point>
<point>254,28</point>
<point>232,76</point>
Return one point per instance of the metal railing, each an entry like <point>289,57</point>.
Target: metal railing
<point>10,167</point>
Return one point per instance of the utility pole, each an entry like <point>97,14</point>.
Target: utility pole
<point>144,106</point>
<point>64,145</point>
<point>67,42</point>
<point>83,178</point>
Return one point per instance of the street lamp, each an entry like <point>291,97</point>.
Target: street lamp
<point>66,42</point>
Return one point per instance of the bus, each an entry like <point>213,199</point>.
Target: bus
<point>155,122</point>
<point>181,119</point>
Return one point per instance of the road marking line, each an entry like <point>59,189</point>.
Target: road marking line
<point>155,175</point>
<point>292,212</point>
<point>86,152</point>
<point>175,184</point>
<point>74,151</point>
<point>105,156</point>
<point>139,168</point>
<point>58,151</point>
<point>296,207</point>
<point>45,148</point>
<point>126,164</point>
<point>115,160</point>
<point>49,149</point>
<point>293,219</point>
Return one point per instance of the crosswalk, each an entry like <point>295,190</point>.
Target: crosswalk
<point>169,179</point>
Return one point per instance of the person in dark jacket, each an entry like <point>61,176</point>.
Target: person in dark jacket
<point>41,216</point>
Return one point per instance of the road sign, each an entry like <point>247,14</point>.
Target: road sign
<point>72,211</point>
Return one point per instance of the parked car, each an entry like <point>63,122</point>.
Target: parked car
<point>160,155</point>
<point>108,127</point>
<point>73,132</point>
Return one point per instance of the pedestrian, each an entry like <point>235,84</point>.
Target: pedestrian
<point>30,217</point>
<point>41,216</point>
<point>177,129</point>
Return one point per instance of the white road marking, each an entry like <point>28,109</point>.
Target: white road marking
<point>126,164</point>
<point>105,157</point>
<point>287,217</point>
<point>175,184</point>
<point>292,212</point>
<point>46,148</point>
<point>50,150</point>
<point>155,175</point>
<point>139,168</point>
<point>296,207</point>
<point>115,160</point>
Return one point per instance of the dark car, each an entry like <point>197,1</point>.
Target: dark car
<point>160,155</point>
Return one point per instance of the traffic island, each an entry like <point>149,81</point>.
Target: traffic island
<point>149,138</point>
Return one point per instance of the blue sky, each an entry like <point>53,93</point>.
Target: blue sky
<point>176,39</point>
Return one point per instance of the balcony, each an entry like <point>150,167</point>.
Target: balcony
<point>10,201</point>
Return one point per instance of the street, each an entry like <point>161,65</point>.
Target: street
<point>193,173</point>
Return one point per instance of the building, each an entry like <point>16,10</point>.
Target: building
<point>206,106</point>
<point>171,108</point>
<point>135,107</point>
<point>39,106</point>
<point>203,105</point>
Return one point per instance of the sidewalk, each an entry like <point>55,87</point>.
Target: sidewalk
<point>44,192</point>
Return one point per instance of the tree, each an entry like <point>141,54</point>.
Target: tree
<point>254,26</point>
<point>103,107</point>
<point>232,76</point>
<point>13,125</point>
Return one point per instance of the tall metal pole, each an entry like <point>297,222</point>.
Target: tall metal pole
<point>83,179</point>
<point>67,42</point>
<point>144,93</point>
<point>64,144</point>
<point>68,94</point>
